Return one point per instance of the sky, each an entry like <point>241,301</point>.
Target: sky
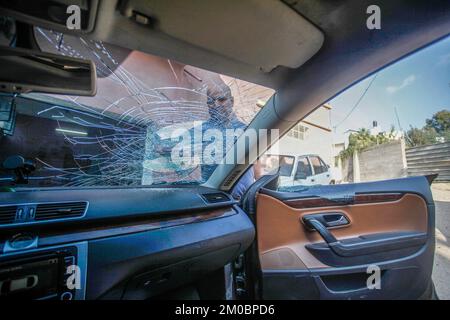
<point>418,86</point>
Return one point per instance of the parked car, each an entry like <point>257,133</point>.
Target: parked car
<point>304,170</point>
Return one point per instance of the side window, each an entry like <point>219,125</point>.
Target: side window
<point>286,166</point>
<point>393,124</point>
<point>317,165</point>
<point>324,165</point>
<point>269,164</point>
<point>303,169</point>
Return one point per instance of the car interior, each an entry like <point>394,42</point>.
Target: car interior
<point>195,240</point>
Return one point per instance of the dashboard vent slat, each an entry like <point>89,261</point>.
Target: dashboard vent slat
<point>230,179</point>
<point>52,211</point>
<point>8,214</point>
<point>217,197</point>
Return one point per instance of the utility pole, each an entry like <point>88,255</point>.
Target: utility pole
<point>400,126</point>
<point>398,118</point>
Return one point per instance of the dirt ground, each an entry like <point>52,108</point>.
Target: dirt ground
<point>441,272</point>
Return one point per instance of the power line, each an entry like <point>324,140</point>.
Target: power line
<point>357,102</point>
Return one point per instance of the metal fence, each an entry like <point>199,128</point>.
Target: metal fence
<point>429,159</point>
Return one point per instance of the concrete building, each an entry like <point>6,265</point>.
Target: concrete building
<point>312,135</point>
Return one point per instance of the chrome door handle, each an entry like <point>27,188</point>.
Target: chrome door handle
<point>328,219</point>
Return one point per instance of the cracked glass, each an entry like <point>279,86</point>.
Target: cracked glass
<point>122,135</point>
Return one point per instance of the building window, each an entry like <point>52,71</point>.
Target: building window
<point>298,132</point>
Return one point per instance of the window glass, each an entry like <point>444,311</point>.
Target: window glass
<point>324,165</point>
<point>303,168</point>
<point>270,164</point>
<point>393,124</point>
<point>317,165</point>
<point>286,166</point>
<point>124,136</point>
<point>298,132</point>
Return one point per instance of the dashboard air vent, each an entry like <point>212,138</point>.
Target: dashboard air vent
<point>216,197</point>
<point>230,179</point>
<point>49,211</point>
<point>8,214</point>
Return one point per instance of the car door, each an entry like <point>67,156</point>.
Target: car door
<point>321,174</point>
<point>303,173</point>
<point>326,172</point>
<point>370,240</point>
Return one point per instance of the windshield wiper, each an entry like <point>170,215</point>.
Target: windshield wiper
<point>158,183</point>
<point>177,183</point>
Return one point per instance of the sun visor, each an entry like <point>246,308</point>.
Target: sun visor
<point>264,34</point>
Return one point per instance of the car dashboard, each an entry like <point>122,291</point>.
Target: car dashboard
<point>115,243</point>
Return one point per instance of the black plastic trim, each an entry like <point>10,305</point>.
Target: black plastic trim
<point>114,203</point>
<point>366,245</point>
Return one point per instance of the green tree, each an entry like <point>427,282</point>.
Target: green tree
<point>440,121</point>
<point>437,128</point>
<point>419,137</point>
<point>363,139</point>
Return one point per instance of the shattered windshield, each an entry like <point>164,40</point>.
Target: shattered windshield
<point>127,133</point>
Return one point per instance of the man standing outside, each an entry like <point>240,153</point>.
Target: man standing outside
<point>222,117</point>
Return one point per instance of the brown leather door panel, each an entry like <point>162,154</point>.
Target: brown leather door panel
<point>282,236</point>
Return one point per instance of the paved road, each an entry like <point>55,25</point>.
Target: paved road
<point>441,272</point>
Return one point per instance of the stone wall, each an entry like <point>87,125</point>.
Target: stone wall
<point>382,162</point>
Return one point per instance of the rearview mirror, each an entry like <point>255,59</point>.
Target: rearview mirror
<point>26,71</point>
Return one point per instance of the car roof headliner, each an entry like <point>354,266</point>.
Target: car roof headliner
<point>335,38</point>
<point>349,54</point>
<point>340,32</point>
<point>253,40</point>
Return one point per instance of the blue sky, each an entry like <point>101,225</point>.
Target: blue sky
<point>417,86</point>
